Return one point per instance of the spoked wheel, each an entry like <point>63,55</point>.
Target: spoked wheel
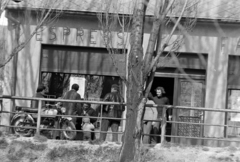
<point>21,123</point>
<point>67,126</point>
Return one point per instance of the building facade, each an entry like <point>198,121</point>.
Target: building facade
<point>71,49</point>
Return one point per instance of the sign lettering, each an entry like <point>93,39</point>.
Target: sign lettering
<point>79,35</point>
<point>53,35</point>
<point>120,35</point>
<point>93,36</point>
<point>39,34</point>
<point>66,32</point>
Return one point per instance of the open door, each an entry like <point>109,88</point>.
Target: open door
<point>190,94</point>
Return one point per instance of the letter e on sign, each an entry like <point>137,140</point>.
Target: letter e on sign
<point>39,34</point>
<point>93,36</point>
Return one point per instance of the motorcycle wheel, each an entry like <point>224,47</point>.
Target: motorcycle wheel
<point>68,125</point>
<point>22,131</point>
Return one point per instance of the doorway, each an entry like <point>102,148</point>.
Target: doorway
<point>168,84</point>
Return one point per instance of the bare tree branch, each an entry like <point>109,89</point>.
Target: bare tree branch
<point>3,5</point>
<point>44,19</point>
<point>108,23</point>
<point>161,49</point>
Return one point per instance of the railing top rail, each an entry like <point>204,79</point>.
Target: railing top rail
<point>117,103</point>
<point>61,100</point>
<point>195,108</point>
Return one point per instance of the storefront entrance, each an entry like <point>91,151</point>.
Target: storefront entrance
<point>183,90</point>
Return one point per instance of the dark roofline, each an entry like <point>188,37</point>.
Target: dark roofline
<point>89,13</point>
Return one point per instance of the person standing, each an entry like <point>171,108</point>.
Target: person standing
<point>112,111</point>
<point>39,94</point>
<point>87,127</point>
<point>45,109</point>
<point>149,115</point>
<point>73,108</point>
<point>159,99</point>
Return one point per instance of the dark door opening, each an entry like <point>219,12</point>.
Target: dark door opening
<point>168,85</point>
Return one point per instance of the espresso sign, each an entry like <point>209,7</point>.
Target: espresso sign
<point>79,36</point>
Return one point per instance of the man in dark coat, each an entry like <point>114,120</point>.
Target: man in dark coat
<point>112,111</point>
<point>88,111</point>
<point>72,107</point>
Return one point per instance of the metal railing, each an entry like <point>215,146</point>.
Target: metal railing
<point>39,114</point>
<point>163,121</point>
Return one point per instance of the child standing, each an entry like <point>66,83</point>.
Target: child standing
<point>87,128</point>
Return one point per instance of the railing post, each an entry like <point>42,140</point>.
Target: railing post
<point>100,127</point>
<point>163,124</point>
<point>12,109</point>
<point>39,116</point>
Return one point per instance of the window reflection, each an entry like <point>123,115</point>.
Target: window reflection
<point>233,118</point>
<point>92,87</point>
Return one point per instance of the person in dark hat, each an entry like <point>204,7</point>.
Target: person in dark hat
<point>39,94</point>
<point>159,99</point>
<point>112,111</point>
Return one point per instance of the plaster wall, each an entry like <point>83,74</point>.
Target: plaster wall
<point>218,41</point>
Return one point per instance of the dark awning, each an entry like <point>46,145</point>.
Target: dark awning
<point>81,60</point>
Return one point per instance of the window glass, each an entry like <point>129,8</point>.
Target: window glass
<point>233,118</point>
<point>91,87</point>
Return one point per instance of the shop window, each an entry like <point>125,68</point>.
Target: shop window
<point>234,72</point>
<point>91,87</point>
<point>233,119</point>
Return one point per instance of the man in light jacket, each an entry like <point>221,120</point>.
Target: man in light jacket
<point>150,114</point>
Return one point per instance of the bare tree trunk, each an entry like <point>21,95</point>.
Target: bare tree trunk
<point>130,150</point>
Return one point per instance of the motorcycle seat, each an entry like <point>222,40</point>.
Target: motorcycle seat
<point>27,109</point>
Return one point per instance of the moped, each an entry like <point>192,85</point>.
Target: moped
<point>27,117</point>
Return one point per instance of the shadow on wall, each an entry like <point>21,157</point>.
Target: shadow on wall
<point>1,84</point>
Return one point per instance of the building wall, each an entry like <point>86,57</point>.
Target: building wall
<point>9,74</point>
<point>209,38</point>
